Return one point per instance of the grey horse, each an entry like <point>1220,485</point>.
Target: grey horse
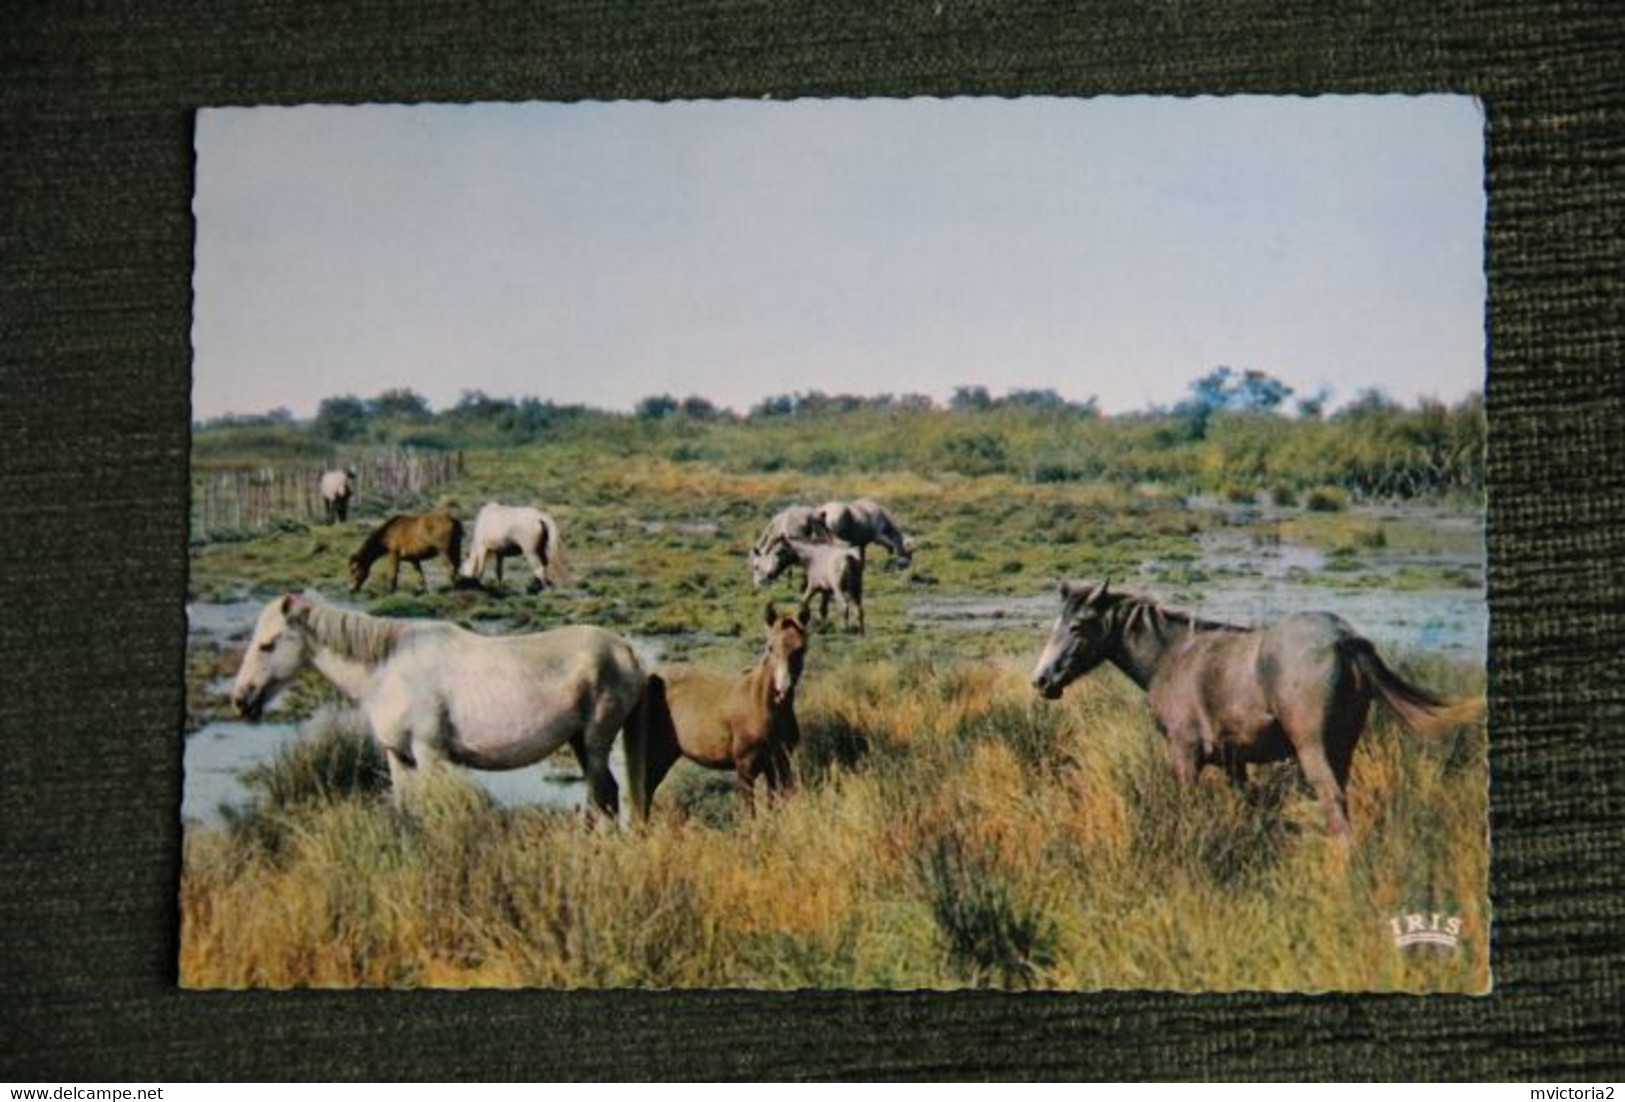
<point>1226,695</point>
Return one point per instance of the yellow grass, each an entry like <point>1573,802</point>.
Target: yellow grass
<point>950,830</point>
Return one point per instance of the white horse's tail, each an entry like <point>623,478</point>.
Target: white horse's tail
<point>651,745</point>
<point>552,551</point>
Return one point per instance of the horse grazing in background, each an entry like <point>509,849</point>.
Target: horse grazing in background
<point>796,522</point>
<point>1228,695</point>
<point>501,531</point>
<point>744,722</point>
<point>832,570</point>
<point>863,522</point>
<point>338,487</point>
<point>409,537</point>
<point>436,694</point>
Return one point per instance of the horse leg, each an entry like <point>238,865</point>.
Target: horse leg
<point>400,772</point>
<point>1235,769</point>
<point>598,798</point>
<point>423,579</point>
<point>592,747</point>
<point>538,570</point>
<point>394,570</point>
<point>781,780</point>
<point>1183,748</point>
<point>1318,771</point>
<point>747,767</point>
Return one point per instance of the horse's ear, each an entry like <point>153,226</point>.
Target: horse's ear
<point>772,616</point>
<point>1098,593</point>
<point>804,615</point>
<point>1068,590</point>
<point>295,609</point>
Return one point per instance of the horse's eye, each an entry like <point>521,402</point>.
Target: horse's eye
<point>270,646</point>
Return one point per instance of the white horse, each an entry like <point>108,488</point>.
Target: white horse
<point>338,486</point>
<point>505,530</point>
<point>863,522</point>
<point>796,522</point>
<point>833,569</point>
<point>434,693</point>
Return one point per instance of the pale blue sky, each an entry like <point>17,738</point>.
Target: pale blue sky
<point>597,253</point>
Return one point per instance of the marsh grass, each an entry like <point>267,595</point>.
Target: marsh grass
<point>949,830</point>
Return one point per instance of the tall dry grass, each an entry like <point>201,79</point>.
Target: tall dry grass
<point>950,830</point>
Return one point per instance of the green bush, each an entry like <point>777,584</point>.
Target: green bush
<point>1326,499</point>
<point>993,939</point>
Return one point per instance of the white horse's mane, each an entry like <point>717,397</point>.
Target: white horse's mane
<point>355,635</point>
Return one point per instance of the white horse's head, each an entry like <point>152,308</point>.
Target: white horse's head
<point>275,655</point>
<point>768,561</point>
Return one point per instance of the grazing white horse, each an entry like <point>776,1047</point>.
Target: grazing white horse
<point>434,693</point>
<point>833,570</point>
<point>504,530</point>
<point>338,486</point>
<point>797,522</point>
<point>863,522</point>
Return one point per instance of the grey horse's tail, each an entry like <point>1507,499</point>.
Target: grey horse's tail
<point>651,745</point>
<point>1421,711</point>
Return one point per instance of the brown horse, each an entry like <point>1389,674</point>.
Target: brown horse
<point>1227,695</point>
<point>746,723</point>
<point>409,537</point>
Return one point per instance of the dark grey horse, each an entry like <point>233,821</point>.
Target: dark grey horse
<point>1228,695</point>
<point>863,522</point>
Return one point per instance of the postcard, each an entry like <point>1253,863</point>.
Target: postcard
<point>1027,544</point>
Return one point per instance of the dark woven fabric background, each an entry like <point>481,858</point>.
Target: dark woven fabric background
<point>95,266</point>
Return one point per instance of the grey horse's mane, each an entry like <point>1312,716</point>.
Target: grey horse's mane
<point>355,635</point>
<point>1144,605</point>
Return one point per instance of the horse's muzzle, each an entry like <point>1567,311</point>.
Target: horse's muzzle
<point>1047,688</point>
<point>250,705</point>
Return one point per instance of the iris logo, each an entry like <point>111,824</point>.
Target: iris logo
<point>1426,928</point>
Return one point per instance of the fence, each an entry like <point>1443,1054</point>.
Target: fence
<point>249,499</point>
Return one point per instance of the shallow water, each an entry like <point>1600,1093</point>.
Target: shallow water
<point>1234,577</point>
<point>218,752</point>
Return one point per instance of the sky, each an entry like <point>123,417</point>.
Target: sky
<point>600,252</point>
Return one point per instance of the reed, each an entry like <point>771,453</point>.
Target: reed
<point>949,831</point>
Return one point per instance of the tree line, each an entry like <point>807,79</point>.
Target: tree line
<point>1234,431</point>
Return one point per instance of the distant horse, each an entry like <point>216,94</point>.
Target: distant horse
<point>434,693</point>
<point>501,531</point>
<point>863,522</point>
<point>338,486</point>
<point>409,537</point>
<point>833,570</point>
<point>796,522</point>
<point>1228,695</point>
<point>744,722</point>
